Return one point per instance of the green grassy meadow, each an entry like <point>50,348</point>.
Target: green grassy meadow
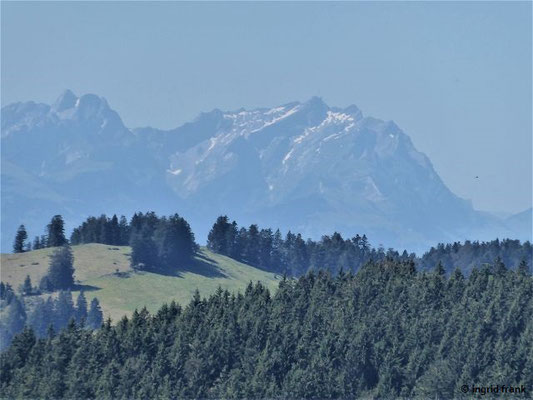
<point>104,272</point>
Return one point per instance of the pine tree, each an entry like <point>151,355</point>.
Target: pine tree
<point>56,232</point>
<point>61,269</point>
<point>63,309</point>
<point>143,249</point>
<point>95,316</point>
<point>81,308</point>
<point>45,284</point>
<point>124,231</point>
<point>523,268</point>
<point>217,239</point>
<point>27,289</point>
<point>114,231</point>
<point>175,242</point>
<point>252,247</point>
<point>44,241</point>
<point>20,238</point>
<point>36,243</point>
<point>40,317</point>
<point>15,319</point>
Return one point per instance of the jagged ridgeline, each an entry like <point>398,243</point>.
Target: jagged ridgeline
<point>307,165</point>
<point>387,331</point>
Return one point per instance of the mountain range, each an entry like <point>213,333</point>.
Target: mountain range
<point>302,166</point>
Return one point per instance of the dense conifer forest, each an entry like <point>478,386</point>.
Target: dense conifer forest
<point>294,256</point>
<point>386,331</point>
<point>161,243</point>
<point>470,254</point>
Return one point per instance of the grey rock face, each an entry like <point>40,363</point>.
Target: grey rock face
<point>305,166</point>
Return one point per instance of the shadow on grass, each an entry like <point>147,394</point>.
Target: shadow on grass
<point>85,288</point>
<point>205,266</point>
<point>200,265</point>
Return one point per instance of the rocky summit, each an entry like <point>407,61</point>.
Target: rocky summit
<point>303,166</point>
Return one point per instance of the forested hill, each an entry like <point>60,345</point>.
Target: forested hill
<point>470,254</point>
<point>387,331</point>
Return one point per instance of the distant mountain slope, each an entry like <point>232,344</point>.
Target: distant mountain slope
<point>305,166</point>
<point>96,267</point>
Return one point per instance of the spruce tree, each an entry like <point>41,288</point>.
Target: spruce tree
<point>175,242</point>
<point>56,232</point>
<point>143,250</point>
<point>124,231</point>
<point>44,241</point>
<point>27,289</point>
<point>95,316</point>
<point>523,268</point>
<point>63,309</point>
<point>36,243</point>
<point>217,237</point>
<point>20,239</point>
<point>45,284</point>
<point>81,308</point>
<point>61,269</point>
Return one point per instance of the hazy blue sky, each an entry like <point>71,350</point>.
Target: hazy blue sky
<point>455,76</point>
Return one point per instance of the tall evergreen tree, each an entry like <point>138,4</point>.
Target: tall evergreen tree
<point>27,288</point>
<point>95,316</point>
<point>56,232</point>
<point>175,242</point>
<point>63,309</point>
<point>143,249</point>
<point>61,268</point>
<point>20,239</point>
<point>217,239</point>
<point>81,308</point>
<point>124,231</point>
<point>37,243</point>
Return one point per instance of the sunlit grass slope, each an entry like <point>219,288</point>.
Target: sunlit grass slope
<point>104,272</point>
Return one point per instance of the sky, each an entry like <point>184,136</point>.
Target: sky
<point>455,76</point>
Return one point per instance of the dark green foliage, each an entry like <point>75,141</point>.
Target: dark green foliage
<point>27,288</point>
<point>158,244</point>
<point>161,244</point>
<point>81,308</point>
<point>6,292</point>
<point>102,230</point>
<point>143,249</point>
<point>220,239</point>
<point>56,232</point>
<point>20,239</point>
<point>293,255</point>
<point>37,243</point>
<point>45,285</point>
<point>469,254</point>
<point>386,332</point>
<point>175,242</point>
<point>61,270</point>
<point>13,319</point>
<point>63,309</point>
<point>41,315</point>
<point>95,316</point>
